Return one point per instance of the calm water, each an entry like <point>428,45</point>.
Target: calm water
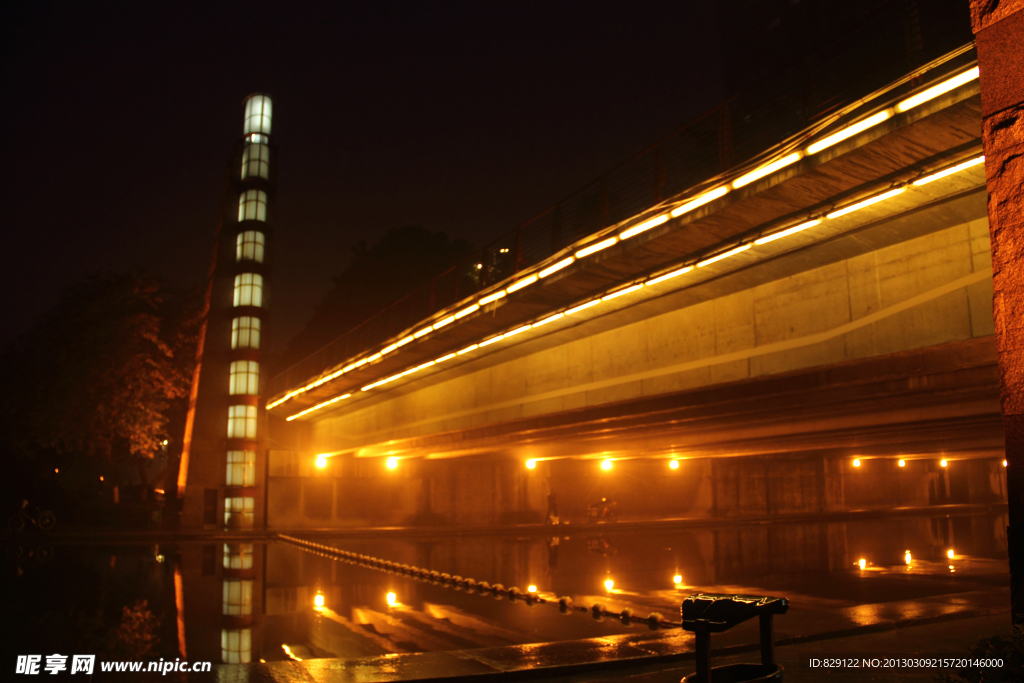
<point>78,598</point>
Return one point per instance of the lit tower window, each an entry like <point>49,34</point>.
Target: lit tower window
<point>245,333</point>
<point>252,206</point>
<point>244,378</point>
<point>256,158</point>
<point>241,422</point>
<point>248,289</point>
<point>236,645</point>
<point>258,113</point>
<point>238,556</point>
<point>238,512</point>
<point>237,597</point>
<point>249,246</point>
<point>241,469</point>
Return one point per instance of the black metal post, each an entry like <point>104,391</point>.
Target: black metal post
<point>703,654</point>
<point>767,641</point>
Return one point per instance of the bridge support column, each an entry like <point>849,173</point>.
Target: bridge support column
<point>999,30</point>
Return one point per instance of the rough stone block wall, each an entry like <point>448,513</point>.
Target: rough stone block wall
<point>999,32</point>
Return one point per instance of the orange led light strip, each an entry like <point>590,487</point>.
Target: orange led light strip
<point>662,277</point>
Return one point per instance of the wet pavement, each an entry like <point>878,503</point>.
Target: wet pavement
<point>658,658</point>
<point>948,637</point>
<point>284,613</point>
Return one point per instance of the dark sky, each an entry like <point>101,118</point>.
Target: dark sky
<point>116,120</point>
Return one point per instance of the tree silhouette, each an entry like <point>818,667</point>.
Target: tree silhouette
<point>104,375</point>
<point>403,259</point>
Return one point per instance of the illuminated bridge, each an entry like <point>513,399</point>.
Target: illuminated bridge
<point>804,328</point>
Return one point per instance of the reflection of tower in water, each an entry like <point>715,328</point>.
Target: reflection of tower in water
<point>236,607</point>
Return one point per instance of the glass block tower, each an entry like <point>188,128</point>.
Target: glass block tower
<point>225,434</point>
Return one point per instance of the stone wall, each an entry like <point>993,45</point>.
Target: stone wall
<point>999,31</point>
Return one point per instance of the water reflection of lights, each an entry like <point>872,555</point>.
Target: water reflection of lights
<point>321,461</point>
<point>864,615</point>
<point>606,465</point>
<point>951,568</point>
<point>318,600</point>
<point>392,462</point>
<point>392,599</point>
<point>530,464</point>
<point>903,463</point>
<point>674,464</point>
<point>609,584</point>
<point>862,563</point>
<point>856,462</point>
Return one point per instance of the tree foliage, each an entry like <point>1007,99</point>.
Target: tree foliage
<point>402,260</point>
<point>136,637</point>
<point>104,373</point>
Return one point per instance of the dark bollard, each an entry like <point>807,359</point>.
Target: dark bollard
<point>705,614</point>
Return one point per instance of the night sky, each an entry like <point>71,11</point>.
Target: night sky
<point>468,117</point>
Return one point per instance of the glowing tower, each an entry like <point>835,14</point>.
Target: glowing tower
<point>225,434</point>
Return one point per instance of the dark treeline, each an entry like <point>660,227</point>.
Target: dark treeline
<point>95,395</point>
<point>98,388</point>
<point>403,259</point>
